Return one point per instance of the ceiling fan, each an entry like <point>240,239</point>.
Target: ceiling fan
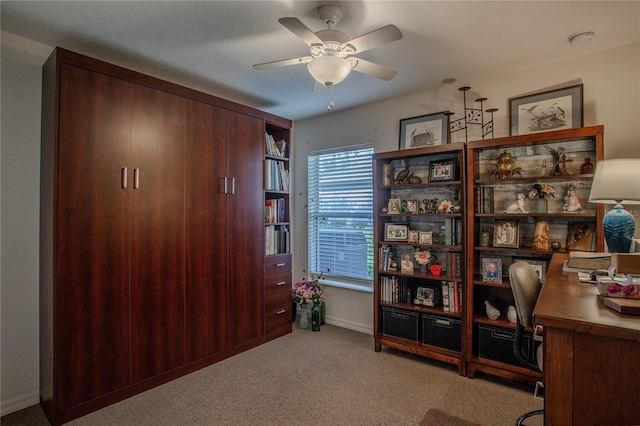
<point>330,60</point>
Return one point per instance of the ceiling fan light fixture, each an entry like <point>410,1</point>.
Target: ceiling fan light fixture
<point>329,70</point>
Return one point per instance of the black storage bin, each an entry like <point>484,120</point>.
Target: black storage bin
<point>400,323</point>
<point>496,343</point>
<point>444,332</point>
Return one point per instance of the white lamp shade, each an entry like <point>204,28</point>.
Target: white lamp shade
<point>616,181</point>
<point>329,70</point>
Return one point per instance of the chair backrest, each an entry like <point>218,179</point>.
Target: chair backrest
<point>526,287</point>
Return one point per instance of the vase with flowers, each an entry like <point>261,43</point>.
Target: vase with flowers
<point>445,206</point>
<point>307,293</point>
<point>539,192</point>
<point>556,154</point>
<point>424,258</point>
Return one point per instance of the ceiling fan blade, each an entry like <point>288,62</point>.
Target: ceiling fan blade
<point>283,63</point>
<point>375,38</point>
<point>375,70</point>
<point>301,30</point>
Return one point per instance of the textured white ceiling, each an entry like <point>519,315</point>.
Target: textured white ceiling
<point>212,45</point>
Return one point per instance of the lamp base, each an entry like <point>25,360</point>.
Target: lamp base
<point>619,227</point>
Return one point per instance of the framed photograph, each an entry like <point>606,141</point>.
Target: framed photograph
<point>426,237</point>
<point>393,206</point>
<point>539,266</point>
<point>425,130</point>
<point>412,206</point>
<point>414,236</point>
<point>442,170</point>
<point>395,232</point>
<point>491,270</point>
<point>426,296</point>
<point>545,111</point>
<point>580,236</point>
<point>505,234</point>
<point>406,264</point>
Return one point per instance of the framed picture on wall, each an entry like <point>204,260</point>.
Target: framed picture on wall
<point>545,111</point>
<point>424,130</point>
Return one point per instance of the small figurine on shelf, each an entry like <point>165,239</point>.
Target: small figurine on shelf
<point>402,176</point>
<point>492,312</point>
<point>517,206</point>
<point>512,314</point>
<point>572,202</point>
<point>541,236</point>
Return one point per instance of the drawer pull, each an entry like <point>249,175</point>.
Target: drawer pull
<point>281,311</point>
<point>281,283</point>
<point>400,316</point>
<point>278,265</point>
<point>442,322</point>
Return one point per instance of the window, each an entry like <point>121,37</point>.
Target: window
<point>341,214</point>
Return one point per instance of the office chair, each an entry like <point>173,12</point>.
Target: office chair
<point>526,287</point>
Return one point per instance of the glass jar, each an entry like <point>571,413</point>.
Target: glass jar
<point>484,238</point>
<point>541,204</point>
<point>587,166</point>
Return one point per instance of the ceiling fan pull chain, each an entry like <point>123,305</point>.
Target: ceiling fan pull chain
<point>331,103</point>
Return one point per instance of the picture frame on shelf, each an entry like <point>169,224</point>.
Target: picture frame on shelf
<point>544,111</point>
<point>580,236</point>
<point>425,130</point>
<point>393,206</point>
<point>395,232</point>
<point>491,270</point>
<point>442,170</point>
<point>506,234</point>
<point>414,236</point>
<point>539,266</point>
<point>406,264</point>
<point>426,237</point>
<point>425,296</point>
<point>412,206</point>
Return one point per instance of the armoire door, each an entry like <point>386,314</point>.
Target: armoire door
<point>157,232</point>
<point>93,218</point>
<point>206,186</point>
<point>245,228</point>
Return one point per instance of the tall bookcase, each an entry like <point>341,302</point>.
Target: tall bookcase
<point>493,210</point>
<point>277,227</point>
<point>414,310</point>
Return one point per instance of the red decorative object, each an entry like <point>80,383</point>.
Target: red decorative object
<point>586,167</point>
<point>436,270</point>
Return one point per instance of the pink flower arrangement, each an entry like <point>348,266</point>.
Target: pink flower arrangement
<point>445,206</point>
<point>539,190</point>
<point>423,257</point>
<point>308,291</point>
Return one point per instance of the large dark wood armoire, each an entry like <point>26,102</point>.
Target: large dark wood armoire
<point>151,226</point>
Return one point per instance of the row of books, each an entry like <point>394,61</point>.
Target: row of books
<point>276,239</point>
<point>451,297</point>
<point>453,265</point>
<point>276,176</point>
<point>452,231</point>
<point>275,210</point>
<point>393,290</point>
<point>484,199</point>
<point>386,257</point>
<point>273,147</point>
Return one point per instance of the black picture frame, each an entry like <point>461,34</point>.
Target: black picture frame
<point>424,130</point>
<point>443,170</point>
<point>396,232</point>
<point>545,111</point>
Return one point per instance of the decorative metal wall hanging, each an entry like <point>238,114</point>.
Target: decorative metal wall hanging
<point>472,116</point>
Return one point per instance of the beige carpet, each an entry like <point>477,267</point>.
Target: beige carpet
<point>331,377</point>
<point>435,417</point>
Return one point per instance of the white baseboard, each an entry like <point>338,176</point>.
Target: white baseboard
<point>18,403</point>
<point>355,326</point>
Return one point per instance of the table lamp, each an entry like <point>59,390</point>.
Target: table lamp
<point>617,182</point>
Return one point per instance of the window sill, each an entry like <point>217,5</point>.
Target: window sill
<point>350,286</point>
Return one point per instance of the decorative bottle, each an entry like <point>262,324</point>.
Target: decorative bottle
<point>541,204</point>
<point>587,166</point>
<point>304,316</point>
<point>316,315</point>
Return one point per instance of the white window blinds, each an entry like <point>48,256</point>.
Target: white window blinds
<point>341,214</point>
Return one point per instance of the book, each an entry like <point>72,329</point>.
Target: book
<point>589,260</point>
<point>624,306</point>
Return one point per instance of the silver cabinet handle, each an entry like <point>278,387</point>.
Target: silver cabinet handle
<point>136,178</point>
<point>281,283</point>
<point>281,311</point>
<point>226,185</point>
<point>233,185</point>
<point>280,265</point>
<point>123,177</point>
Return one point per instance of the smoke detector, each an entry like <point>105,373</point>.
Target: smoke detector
<point>581,37</point>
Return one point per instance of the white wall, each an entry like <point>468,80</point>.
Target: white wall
<point>611,97</point>
<point>20,211</point>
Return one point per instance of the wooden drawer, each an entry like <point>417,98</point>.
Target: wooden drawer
<point>277,311</point>
<point>277,263</point>
<point>278,283</point>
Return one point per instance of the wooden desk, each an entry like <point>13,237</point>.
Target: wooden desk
<point>591,354</point>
